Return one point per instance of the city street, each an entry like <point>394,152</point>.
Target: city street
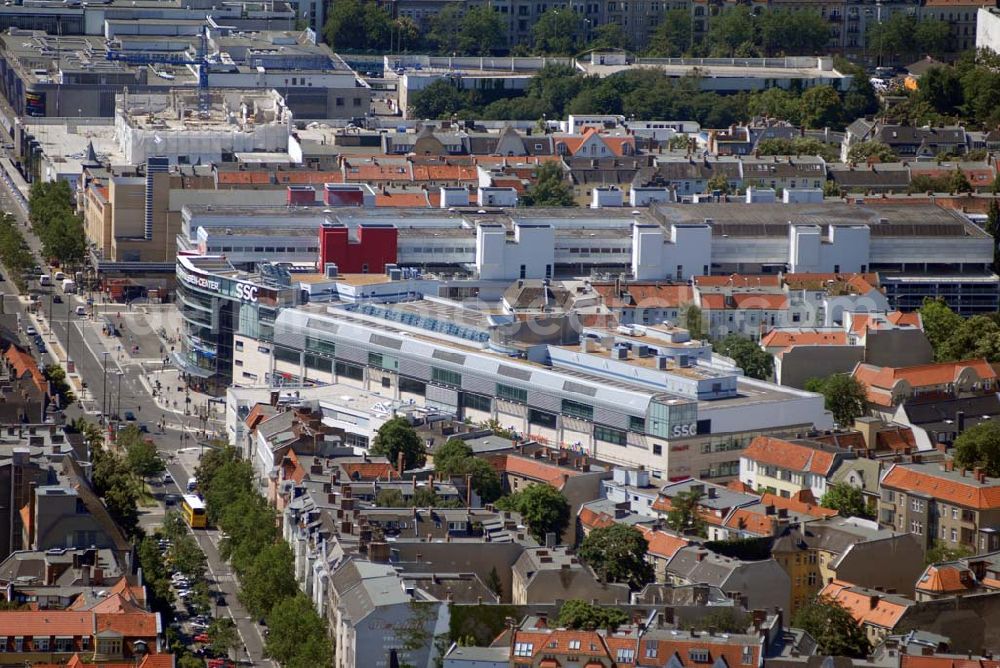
<point>113,382</point>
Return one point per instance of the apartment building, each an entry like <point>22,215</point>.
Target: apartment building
<point>875,611</point>
<point>939,502</point>
<point>787,468</point>
<point>889,387</point>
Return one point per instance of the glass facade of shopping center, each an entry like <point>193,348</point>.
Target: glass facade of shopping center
<point>216,301</point>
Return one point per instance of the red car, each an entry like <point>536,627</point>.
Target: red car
<point>201,637</point>
<point>217,663</point>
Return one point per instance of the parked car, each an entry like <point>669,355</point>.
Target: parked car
<point>202,637</point>
<point>129,416</point>
<point>56,299</point>
<point>31,331</point>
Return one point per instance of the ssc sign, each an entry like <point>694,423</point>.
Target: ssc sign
<point>246,292</point>
<point>679,430</point>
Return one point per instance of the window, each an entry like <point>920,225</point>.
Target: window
<point>626,655</point>
<point>636,423</point>
<point>574,644</point>
<point>412,386</point>
<point>578,410</point>
<point>917,527</point>
<point>954,513</point>
<point>657,449</point>
<point>41,643</point>
<point>19,644</point>
<point>917,505</point>
<point>616,436</point>
<point>282,354</point>
<point>542,418</point>
<point>512,393</point>
<point>340,102</point>
<point>318,363</point>
<point>811,579</point>
<point>651,649</point>
<point>954,535</point>
<point>445,377</point>
<point>476,401</point>
<point>747,656</point>
<point>349,370</point>
<point>357,102</point>
<point>239,345</point>
<point>375,360</point>
<point>698,655</point>
<point>523,648</point>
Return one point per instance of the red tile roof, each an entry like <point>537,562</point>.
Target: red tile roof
<point>946,579</point>
<point>129,624</point>
<point>545,643</point>
<point>47,623</point>
<point>970,494</point>
<point>369,471</point>
<point>739,281</point>
<point>24,365</point>
<point>799,505</point>
<point>535,469</point>
<point>663,544</point>
<point>788,455</point>
<point>591,519</point>
<point>784,338</point>
<point>409,200</point>
<point>721,651</point>
<point>881,381</point>
<point>866,608</point>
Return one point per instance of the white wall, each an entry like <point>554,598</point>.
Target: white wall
<point>497,259</point>
<point>845,250</point>
<point>987,30</point>
<point>653,257</point>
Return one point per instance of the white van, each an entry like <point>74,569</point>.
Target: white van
<point>81,311</point>
<point>69,286</point>
<point>59,275</point>
<point>45,279</point>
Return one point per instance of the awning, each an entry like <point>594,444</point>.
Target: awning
<point>191,369</point>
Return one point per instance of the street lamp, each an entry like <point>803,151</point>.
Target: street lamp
<point>104,386</point>
<point>118,413</point>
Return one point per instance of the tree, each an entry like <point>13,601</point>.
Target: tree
<point>550,187</point>
<point>353,25</point>
<point>445,30</point>
<point>941,553</point>
<point>977,337</point>
<point>893,37</point>
<point>694,322</point>
<point>440,99</point>
<point>731,30</point>
<point>848,500</point>
<point>979,446</point>
<point>939,322</point>
<point>484,478</point>
<point>269,579</point>
<point>577,614</point>
<point>122,501</point>
<point>834,629</point>
<point>718,183</point>
<point>556,32</point>
<point>673,36</point>
<point>543,508</point>
<point>187,557</point>
<point>755,362</point>
<point>481,32</point>
<point>941,87</point>
<point>617,553</point>
<point>297,636</point>
<point>610,36</point>
<point>844,396</point>
<point>721,620</point>
<point>222,636</point>
<point>798,146</point>
<point>390,498</point>
<point>871,149</point>
<point>425,497</point>
<point>141,456</point>
<point>821,107</point>
<point>958,182</point>
<point>683,516</point>
<point>932,37</point>
<point>493,582</point>
<point>155,576</point>
<point>397,436</point>
<point>775,103</point>
<point>993,229</point>
<point>188,660</point>
<point>449,459</point>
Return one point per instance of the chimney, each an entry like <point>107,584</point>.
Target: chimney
<point>873,601</point>
<point>960,421</point>
<point>713,493</point>
<point>399,463</point>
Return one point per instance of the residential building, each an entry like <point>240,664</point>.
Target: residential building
<point>937,502</point>
<point>907,142</point>
<point>758,584</point>
<point>818,552</point>
<point>546,574</point>
<point>875,611</point>
<point>888,387</point>
<point>786,468</point>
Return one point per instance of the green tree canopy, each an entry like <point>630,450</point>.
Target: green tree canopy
<point>848,500</point>
<point>694,322</point>
<point>355,25</point>
<point>543,508</point>
<point>610,36</point>
<point>551,188</point>
<point>844,396</point>
<point>269,580</point>
<point>942,552</point>
<point>672,37</point>
<point>617,553</point>
<point>481,32</point>
<point>390,498</point>
<point>821,107</point>
<point>748,355</point>
<point>450,457</point>
<point>557,31</point>
<point>397,436</point>
<point>683,515</point>
<point>979,446</point>
<point>298,636</point>
<point>577,614</point>
<point>977,337</point>
<point>222,636</point>
<point>871,149</point>
<point>833,628</point>
<point>939,322</point>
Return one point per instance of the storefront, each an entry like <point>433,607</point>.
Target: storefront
<point>216,301</point>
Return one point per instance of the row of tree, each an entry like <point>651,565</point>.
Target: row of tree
<point>14,252</point>
<point>262,561</point>
<point>645,94</point>
<point>956,338</point>
<point>57,225</point>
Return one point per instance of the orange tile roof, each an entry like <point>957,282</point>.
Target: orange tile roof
<point>866,608</point>
<point>923,375</point>
<point>852,440</point>
<point>721,651</point>
<point>860,283</point>
<point>590,519</point>
<point>148,661</point>
<point>556,642</point>
<point>291,469</point>
<point>369,471</point>
<point>738,281</point>
<point>758,523</point>
<point>976,176</point>
<point>398,199</point>
<point>969,494</point>
<point>367,171</point>
<point>896,438</point>
<point>249,178</point>
<point>938,661</point>
<point>770,302</point>
<point>47,623</point>
<point>663,544</point>
<point>783,338</point>
<point>788,455</point>
<point>535,469</point>
<point>444,173</point>
<point>129,624</point>
<point>911,319</point>
<point>713,301</point>
<point>309,177</point>
<point>946,579</point>
<point>797,505</point>
<point>660,296</point>
<point>24,365</point>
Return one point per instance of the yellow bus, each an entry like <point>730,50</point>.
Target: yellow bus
<point>193,509</point>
